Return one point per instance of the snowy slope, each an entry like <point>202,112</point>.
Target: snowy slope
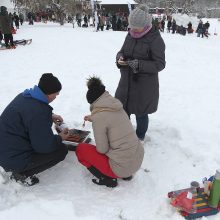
<point>184,132</point>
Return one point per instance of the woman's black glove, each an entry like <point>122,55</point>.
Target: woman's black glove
<point>134,64</point>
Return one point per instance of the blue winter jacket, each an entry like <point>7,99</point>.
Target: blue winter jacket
<point>25,128</point>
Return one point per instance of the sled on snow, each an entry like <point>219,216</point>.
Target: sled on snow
<point>16,43</point>
<point>201,204</point>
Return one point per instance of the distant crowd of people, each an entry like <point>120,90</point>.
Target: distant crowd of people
<point>101,20</point>
<point>173,27</point>
<point>203,29</point>
<point>115,21</point>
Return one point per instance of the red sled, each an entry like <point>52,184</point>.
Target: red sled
<point>201,204</point>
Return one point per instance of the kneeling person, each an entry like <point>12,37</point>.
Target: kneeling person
<point>28,145</point>
<point>118,152</point>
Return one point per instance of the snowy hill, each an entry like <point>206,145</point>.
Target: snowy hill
<point>184,132</point>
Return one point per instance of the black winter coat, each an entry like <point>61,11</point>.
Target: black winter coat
<point>5,21</point>
<point>140,94</point>
<point>25,128</point>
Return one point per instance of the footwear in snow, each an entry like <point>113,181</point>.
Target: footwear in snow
<point>27,181</point>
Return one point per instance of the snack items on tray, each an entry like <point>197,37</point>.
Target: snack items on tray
<point>77,135</point>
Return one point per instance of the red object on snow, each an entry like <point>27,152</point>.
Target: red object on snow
<point>13,30</point>
<point>183,202</point>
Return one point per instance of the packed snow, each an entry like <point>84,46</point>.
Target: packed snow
<point>183,137</point>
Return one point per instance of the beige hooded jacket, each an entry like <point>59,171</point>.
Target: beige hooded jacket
<point>115,136</point>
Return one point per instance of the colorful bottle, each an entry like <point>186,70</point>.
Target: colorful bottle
<point>214,197</point>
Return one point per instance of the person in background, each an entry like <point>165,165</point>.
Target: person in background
<point>207,25</point>
<point>16,20</point>
<point>200,29</point>
<point>118,152</point>
<point>190,29</point>
<point>169,24</point>
<point>140,59</point>
<point>6,29</point>
<point>114,22</point>
<point>174,26</point>
<point>21,18</point>
<point>28,145</point>
<point>30,16</point>
<point>162,25</point>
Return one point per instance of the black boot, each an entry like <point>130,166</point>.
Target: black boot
<point>127,178</point>
<point>27,181</point>
<point>109,182</point>
<point>102,179</point>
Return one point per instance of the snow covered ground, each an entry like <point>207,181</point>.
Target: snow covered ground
<point>184,132</point>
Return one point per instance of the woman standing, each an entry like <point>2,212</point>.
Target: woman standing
<point>118,152</point>
<point>140,59</point>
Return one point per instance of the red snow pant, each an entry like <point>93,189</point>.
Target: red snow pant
<point>88,156</point>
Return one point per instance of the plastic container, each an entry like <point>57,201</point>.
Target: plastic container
<point>194,187</point>
<point>60,126</point>
<point>214,197</point>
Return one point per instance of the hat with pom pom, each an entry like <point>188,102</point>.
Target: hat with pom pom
<point>95,89</point>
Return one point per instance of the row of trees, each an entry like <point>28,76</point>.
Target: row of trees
<point>188,6</point>
<point>71,7</point>
<point>60,8</point>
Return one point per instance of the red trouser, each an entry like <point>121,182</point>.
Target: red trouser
<point>88,156</point>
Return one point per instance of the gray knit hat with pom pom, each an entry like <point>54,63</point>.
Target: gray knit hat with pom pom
<point>140,17</point>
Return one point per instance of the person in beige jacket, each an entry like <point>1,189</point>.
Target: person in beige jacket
<point>118,152</point>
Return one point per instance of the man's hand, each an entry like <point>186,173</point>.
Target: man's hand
<point>56,118</point>
<point>64,134</point>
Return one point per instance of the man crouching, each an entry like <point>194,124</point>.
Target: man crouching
<point>28,145</point>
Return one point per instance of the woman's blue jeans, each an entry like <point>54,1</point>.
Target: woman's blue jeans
<point>142,125</point>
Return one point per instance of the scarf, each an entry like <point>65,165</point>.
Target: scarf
<point>140,34</point>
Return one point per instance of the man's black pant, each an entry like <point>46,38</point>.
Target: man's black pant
<point>8,37</point>
<point>1,36</point>
<point>41,162</point>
